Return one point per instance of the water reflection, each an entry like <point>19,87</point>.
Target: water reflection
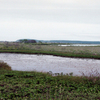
<point>46,63</point>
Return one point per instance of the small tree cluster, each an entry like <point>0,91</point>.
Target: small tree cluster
<point>27,41</point>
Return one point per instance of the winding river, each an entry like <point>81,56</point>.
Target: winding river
<point>46,63</point>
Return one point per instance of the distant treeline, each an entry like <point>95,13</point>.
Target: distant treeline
<point>69,41</point>
<point>27,41</point>
<point>57,41</point>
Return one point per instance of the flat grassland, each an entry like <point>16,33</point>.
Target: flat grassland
<point>52,49</point>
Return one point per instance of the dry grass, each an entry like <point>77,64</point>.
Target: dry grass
<point>77,49</point>
<point>86,49</point>
<point>4,66</point>
<point>92,75</point>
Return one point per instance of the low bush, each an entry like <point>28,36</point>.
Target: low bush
<point>4,66</point>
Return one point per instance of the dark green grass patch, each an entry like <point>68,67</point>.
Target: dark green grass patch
<point>35,85</point>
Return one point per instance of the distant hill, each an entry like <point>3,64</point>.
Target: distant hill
<point>69,41</point>
<point>64,41</point>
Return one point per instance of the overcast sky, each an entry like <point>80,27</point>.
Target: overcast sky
<point>50,20</point>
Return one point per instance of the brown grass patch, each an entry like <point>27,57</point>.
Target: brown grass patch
<point>4,66</point>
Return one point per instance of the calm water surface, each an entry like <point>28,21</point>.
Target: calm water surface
<point>46,63</point>
<point>81,45</point>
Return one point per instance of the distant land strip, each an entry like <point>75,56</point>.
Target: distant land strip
<point>61,54</point>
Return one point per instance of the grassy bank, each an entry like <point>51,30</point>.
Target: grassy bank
<point>52,49</point>
<point>4,66</point>
<point>42,86</point>
<point>54,53</point>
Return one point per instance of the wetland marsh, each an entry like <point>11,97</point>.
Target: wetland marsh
<point>30,63</point>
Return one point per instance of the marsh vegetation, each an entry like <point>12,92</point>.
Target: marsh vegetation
<point>43,86</point>
<point>51,49</point>
<point>4,66</point>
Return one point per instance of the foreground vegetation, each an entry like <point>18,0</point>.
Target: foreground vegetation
<point>43,86</point>
<point>51,49</point>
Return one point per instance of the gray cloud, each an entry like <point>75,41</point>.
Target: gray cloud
<point>16,4</point>
<point>59,15</point>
